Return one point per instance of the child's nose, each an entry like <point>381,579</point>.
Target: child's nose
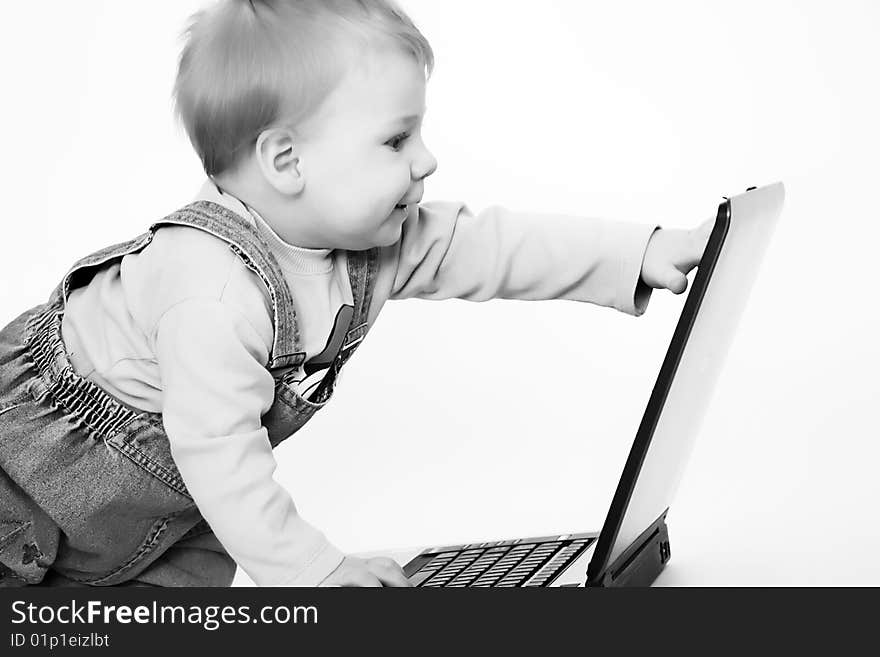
<point>425,165</point>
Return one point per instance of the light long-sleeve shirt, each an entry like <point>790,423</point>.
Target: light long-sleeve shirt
<point>184,328</point>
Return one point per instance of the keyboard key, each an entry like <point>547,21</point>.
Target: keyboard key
<point>420,577</point>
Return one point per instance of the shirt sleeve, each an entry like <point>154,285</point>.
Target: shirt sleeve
<point>446,251</point>
<point>215,388</point>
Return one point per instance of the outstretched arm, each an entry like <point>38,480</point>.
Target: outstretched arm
<point>448,252</point>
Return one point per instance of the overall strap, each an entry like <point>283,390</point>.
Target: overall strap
<point>245,241</point>
<point>93,262</point>
<point>362,268</point>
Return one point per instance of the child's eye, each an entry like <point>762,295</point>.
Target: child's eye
<point>395,142</point>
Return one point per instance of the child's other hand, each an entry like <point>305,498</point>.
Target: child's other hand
<point>672,254</point>
<point>375,572</point>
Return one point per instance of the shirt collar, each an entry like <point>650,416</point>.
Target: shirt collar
<point>210,192</point>
<point>293,258</point>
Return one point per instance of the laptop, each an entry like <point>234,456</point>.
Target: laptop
<point>633,546</point>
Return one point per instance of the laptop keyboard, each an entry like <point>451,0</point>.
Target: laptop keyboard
<point>501,564</point>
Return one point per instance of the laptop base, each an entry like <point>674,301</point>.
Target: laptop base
<point>641,562</point>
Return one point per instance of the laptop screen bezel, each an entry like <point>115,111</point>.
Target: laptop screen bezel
<point>651,416</point>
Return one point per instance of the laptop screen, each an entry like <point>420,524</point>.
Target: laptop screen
<point>687,378</point>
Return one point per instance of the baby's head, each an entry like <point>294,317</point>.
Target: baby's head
<point>310,111</point>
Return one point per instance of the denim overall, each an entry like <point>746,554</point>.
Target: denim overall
<point>89,492</point>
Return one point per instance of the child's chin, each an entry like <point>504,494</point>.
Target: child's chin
<point>389,237</point>
<point>389,232</point>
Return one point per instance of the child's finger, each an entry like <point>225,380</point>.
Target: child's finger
<point>700,237</point>
<point>388,571</point>
<point>364,578</point>
<point>676,282</point>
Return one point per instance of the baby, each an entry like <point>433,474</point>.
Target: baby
<point>140,405</point>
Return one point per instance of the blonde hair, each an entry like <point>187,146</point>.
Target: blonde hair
<point>248,64</point>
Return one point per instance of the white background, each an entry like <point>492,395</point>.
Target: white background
<point>460,421</point>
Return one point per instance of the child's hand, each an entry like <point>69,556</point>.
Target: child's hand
<point>376,572</point>
<point>672,254</point>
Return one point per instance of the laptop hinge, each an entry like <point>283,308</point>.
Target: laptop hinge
<point>642,561</point>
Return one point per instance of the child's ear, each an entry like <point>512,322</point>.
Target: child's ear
<point>278,156</point>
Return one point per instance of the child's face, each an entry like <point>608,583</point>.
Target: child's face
<point>361,156</point>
